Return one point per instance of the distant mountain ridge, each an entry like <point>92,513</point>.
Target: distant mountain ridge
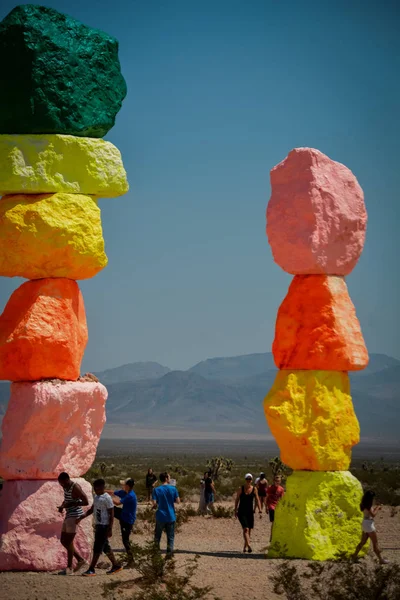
<point>225,395</point>
<point>133,372</point>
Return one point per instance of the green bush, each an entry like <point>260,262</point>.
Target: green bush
<point>159,579</point>
<point>338,581</point>
<point>222,512</point>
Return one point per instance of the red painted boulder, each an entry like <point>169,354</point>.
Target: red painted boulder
<point>317,327</point>
<point>316,216</point>
<point>43,331</point>
<point>51,427</point>
<point>30,526</point>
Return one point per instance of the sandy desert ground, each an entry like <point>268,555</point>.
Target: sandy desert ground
<point>218,542</point>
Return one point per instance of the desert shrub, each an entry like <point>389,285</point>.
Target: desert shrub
<point>147,516</point>
<point>159,578</point>
<point>383,478</point>
<point>223,512</point>
<point>218,465</point>
<point>338,580</point>
<point>279,468</point>
<point>287,582</point>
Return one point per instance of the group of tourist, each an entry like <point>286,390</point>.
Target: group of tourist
<point>121,504</point>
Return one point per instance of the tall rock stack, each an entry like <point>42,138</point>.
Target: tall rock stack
<point>61,88</point>
<point>316,224</point>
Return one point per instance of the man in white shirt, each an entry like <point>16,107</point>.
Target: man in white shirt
<point>103,513</point>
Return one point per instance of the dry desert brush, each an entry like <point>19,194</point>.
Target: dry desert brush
<point>338,580</point>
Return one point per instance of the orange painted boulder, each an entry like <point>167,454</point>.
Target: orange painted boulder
<point>51,427</point>
<point>316,216</point>
<point>311,416</point>
<point>317,327</point>
<point>43,331</point>
<point>30,527</point>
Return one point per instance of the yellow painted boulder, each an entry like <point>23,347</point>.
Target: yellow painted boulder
<point>36,164</point>
<point>311,416</point>
<point>319,517</point>
<point>50,235</point>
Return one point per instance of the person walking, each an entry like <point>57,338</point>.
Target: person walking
<point>125,507</point>
<point>246,495</point>
<point>368,526</point>
<point>103,512</point>
<point>165,496</point>
<point>262,486</point>
<point>74,499</point>
<point>274,493</point>
<point>209,493</point>
<point>202,503</point>
<point>151,481</point>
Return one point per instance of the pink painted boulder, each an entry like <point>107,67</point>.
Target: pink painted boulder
<point>51,426</point>
<point>30,526</point>
<point>316,216</point>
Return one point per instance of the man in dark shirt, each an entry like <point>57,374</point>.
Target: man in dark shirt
<point>151,481</point>
<point>209,493</point>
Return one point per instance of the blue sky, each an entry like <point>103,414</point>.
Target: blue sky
<point>219,91</point>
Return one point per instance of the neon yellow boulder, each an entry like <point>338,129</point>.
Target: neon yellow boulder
<point>319,517</point>
<point>37,164</point>
<point>50,235</point>
<point>311,416</point>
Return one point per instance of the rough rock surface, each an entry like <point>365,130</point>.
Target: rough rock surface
<point>60,76</point>
<point>311,416</point>
<point>43,331</point>
<point>50,235</point>
<point>317,327</point>
<point>316,217</point>
<point>319,517</point>
<point>36,164</point>
<point>51,427</point>
<point>30,526</point>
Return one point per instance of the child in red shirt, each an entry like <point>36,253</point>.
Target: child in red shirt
<point>274,493</point>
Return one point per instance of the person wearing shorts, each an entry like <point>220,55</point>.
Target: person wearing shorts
<point>368,529</point>
<point>209,493</point>
<point>74,499</point>
<point>274,493</point>
<point>103,513</point>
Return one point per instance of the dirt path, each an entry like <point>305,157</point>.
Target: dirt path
<point>218,542</point>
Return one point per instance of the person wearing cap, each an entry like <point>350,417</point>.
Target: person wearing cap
<point>125,512</point>
<point>245,497</point>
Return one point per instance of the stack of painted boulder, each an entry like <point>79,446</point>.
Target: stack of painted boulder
<point>61,88</point>
<point>316,224</point>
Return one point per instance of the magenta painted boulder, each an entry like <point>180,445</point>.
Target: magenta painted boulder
<point>51,426</point>
<point>30,526</point>
<point>316,216</point>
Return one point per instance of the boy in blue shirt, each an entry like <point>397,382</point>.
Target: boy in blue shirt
<point>164,499</point>
<point>126,514</point>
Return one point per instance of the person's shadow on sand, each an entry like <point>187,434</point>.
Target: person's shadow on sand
<point>226,554</point>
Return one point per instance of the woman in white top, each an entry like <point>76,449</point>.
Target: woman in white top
<point>368,525</point>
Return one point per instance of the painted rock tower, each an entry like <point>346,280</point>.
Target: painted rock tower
<point>316,224</point>
<point>61,89</point>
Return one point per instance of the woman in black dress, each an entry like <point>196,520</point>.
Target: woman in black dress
<point>244,508</point>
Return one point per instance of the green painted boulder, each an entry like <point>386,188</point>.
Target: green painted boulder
<point>57,75</point>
